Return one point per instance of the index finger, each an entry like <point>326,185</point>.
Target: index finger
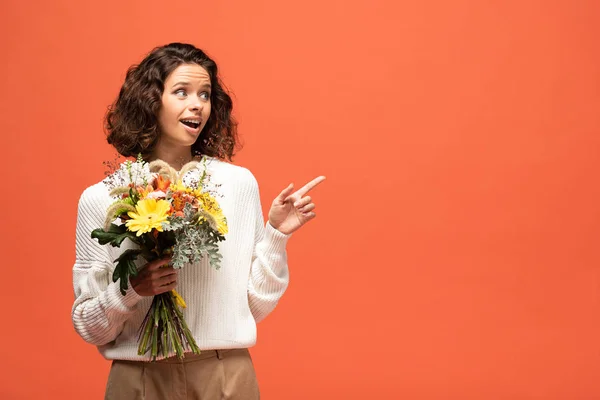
<point>309,186</point>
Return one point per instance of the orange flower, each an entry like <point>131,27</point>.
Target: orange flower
<point>143,191</point>
<point>179,200</point>
<point>161,183</point>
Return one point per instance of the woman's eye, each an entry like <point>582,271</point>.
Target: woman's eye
<point>205,95</point>
<point>180,93</point>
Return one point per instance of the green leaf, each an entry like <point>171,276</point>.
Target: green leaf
<point>114,236</point>
<point>116,274</point>
<point>129,254</point>
<point>123,286</point>
<point>125,267</point>
<point>133,194</point>
<point>132,269</point>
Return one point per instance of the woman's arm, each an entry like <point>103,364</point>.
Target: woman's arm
<point>100,310</point>
<point>269,270</point>
<point>269,274</point>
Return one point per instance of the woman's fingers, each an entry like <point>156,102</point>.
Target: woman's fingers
<point>307,208</point>
<point>168,273</point>
<point>308,187</point>
<point>165,281</point>
<point>159,273</point>
<point>155,278</point>
<point>165,284</point>
<point>157,264</point>
<point>302,202</point>
<point>280,199</point>
<point>167,288</point>
<point>309,215</point>
<point>156,285</point>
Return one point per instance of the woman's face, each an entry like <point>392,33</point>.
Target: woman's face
<point>185,105</point>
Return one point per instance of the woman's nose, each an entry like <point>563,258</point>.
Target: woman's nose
<point>196,105</point>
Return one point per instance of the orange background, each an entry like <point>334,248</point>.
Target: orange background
<point>455,252</point>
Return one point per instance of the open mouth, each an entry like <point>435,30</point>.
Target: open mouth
<point>190,123</point>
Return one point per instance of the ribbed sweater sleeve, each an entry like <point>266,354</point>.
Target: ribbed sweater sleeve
<point>99,310</point>
<point>269,276</point>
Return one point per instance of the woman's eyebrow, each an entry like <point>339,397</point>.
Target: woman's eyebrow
<point>184,83</point>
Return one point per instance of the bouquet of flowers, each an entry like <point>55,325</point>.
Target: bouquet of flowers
<point>155,210</point>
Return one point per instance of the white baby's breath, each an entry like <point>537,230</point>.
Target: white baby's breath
<point>136,172</point>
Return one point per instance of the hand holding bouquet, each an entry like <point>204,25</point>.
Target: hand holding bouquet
<point>167,220</point>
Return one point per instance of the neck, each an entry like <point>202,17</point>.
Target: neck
<point>176,158</point>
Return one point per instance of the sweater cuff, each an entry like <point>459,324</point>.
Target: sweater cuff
<point>274,239</point>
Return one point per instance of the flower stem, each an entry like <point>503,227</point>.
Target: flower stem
<point>164,330</point>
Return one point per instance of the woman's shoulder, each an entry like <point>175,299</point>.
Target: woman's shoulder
<point>95,197</point>
<point>223,170</point>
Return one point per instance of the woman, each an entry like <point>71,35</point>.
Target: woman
<point>173,107</point>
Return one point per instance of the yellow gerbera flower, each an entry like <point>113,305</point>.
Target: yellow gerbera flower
<point>151,213</point>
<point>205,199</point>
<point>199,194</point>
<point>211,212</point>
<point>215,218</point>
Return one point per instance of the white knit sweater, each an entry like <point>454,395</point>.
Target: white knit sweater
<point>223,305</point>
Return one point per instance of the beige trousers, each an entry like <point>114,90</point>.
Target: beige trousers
<point>211,375</point>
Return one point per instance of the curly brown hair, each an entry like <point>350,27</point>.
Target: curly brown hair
<point>131,122</point>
